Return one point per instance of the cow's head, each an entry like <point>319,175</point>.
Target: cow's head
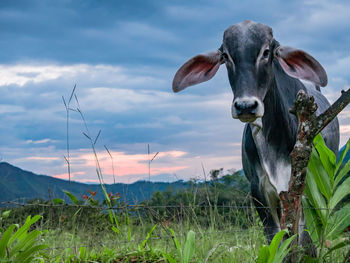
<point>248,51</point>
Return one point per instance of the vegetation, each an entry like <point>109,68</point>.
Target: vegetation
<point>327,217</point>
<point>275,253</point>
<point>208,222</point>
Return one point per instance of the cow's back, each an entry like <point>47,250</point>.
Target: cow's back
<point>331,132</point>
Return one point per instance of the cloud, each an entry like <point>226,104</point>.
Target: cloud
<point>47,140</point>
<point>123,64</point>
<point>40,158</point>
<point>8,108</point>
<point>21,74</point>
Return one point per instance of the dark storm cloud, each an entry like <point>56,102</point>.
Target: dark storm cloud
<point>122,55</point>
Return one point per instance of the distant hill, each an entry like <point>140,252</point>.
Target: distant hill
<point>17,184</point>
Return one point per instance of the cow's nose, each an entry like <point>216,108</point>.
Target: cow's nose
<point>246,107</point>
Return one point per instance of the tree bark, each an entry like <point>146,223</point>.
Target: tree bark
<point>309,125</point>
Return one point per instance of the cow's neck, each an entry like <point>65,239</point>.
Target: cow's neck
<point>279,126</point>
<point>275,136</point>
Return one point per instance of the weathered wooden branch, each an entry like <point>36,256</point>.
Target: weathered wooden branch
<point>309,126</point>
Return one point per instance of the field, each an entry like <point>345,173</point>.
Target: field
<point>85,235</point>
<point>146,233</point>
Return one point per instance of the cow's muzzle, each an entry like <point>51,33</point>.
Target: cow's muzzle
<point>247,109</point>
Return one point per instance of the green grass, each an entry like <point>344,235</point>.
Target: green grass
<point>226,245</point>
<point>88,237</point>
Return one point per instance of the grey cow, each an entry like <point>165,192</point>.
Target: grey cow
<point>265,78</point>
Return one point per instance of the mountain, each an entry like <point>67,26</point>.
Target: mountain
<point>17,184</point>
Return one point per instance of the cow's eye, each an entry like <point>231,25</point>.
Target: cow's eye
<point>266,53</point>
<point>224,57</point>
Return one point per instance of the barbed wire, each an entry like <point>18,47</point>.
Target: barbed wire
<point>146,206</point>
<point>163,238</point>
<point>243,229</point>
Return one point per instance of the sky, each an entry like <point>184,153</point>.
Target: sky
<point>122,56</point>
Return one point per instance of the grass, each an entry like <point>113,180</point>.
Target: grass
<point>81,241</point>
<point>218,245</point>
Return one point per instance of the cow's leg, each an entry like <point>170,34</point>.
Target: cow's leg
<point>271,227</point>
<point>252,168</point>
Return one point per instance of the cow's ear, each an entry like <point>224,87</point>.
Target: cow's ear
<point>198,69</point>
<point>299,64</point>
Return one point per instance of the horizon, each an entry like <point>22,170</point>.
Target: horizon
<point>98,184</point>
<point>122,57</point>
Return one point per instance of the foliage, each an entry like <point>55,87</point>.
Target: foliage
<point>186,253</point>
<point>22,245</point>
<point>276,251</point>
<point>221,199</point>
<point>4,214</point>
<point>326,215</point>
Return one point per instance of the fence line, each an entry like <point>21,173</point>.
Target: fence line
<point>144,206</point>
<point>154,237</point>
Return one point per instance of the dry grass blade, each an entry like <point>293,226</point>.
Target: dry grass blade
<point>98,135</point>
<point>154,156</point>
<point>110,155</point>
<point>71,95</point>
<point>108,151</point>
<point>87,136</point>
<point>64,102</point>
<point>212,251</point>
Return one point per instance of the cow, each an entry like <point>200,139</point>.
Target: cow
<point>265,78</point>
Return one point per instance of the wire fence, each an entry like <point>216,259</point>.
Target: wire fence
<point>223,212</point>
<point>145,206</point>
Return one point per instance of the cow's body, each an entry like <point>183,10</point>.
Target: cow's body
<point>266,146</point>
<point>264,78</point>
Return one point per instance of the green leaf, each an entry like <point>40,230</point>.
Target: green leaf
<point>314,195</point>
<point>57,201</point>
<point>26,255</point>
<point>283,250</point>
<point>342,173</point>
<point>275,243</point>
<point>169,258</point>
<point>82,254</point>
<point>310,259</point>
<point>314,226</point>
<point>264,254</point>
<point>338,222</point>
<point>116,230</point>
<point>338,246</point>
<point>319,174</point>
<point>26,241</point>
<point>22,231</point>
<point>72,197</point>
<point>5,239</point>
<point>327,157</point>
<point>176,242</point>
<point>342,191</point>
<point>342,156</point>
<point>149,234</point>
<point>189,247</point>
<point>6,213</point>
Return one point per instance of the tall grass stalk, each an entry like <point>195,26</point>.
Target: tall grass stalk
<point>67,106</point>
<point>112,214</point>
<point>150,160</point>
<point>112,160</point>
